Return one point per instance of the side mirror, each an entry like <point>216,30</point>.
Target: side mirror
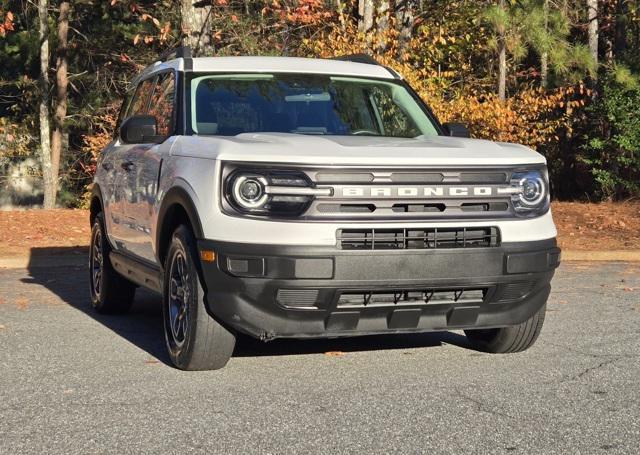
<point>140,129</point>
<point>457,130</point>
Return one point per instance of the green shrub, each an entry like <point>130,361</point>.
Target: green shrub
<point>612,148</point>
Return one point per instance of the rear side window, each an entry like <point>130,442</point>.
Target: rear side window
<point>140,102</point>
<point>161,106</point>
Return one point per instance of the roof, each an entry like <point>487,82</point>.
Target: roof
<point>273,65</point>
<point>290,65</point>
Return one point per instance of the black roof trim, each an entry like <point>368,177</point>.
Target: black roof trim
<point>367,59</point>
<point>178,52</point>
<point>357,58</point>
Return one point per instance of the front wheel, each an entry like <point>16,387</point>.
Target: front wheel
<point>508,339</point>
<point>195,340</point>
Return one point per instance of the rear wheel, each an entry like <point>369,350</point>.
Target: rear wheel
<point>508,339</point>
<point>194,339</point>
<point>110,292</point>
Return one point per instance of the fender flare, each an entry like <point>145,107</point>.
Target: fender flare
<point>96,193</point>
<point>176,196</point>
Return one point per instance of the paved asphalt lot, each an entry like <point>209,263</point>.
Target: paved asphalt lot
<point>75,382</point>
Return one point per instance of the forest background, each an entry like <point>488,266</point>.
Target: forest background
<point>561,76</point>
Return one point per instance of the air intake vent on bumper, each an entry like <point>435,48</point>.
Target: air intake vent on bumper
<point>426,238</point>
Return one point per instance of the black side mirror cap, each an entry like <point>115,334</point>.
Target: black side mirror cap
<point>140,129</point>
<point>456,129</point>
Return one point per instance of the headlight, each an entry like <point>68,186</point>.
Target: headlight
<point>530,195</point>
<point>249,191</point>
<point>277,193</point>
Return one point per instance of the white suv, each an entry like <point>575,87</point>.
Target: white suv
<point>289,197</point>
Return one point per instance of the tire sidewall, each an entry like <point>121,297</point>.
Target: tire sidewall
<point>98,225</point>
<point>181,355</point>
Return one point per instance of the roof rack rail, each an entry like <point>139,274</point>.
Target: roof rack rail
<point>357,58</point>
<point>178,52</point>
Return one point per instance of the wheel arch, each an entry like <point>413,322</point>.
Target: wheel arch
<point>177,208</point>
<point>96,205</point>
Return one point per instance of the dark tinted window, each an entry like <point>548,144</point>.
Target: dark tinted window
<point>140,102</point>
<point>161,106</point>
<point>305,104</point>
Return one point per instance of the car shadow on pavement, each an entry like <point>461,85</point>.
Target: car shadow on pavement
<point>142,326</point>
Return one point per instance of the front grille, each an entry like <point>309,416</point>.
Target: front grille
<point>381,193</point>
<point>420,239</point>
<point>397,193</point>
<point>362,299</point>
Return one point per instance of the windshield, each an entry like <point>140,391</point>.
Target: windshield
<point>227,105</point>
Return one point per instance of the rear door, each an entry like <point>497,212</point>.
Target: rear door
<point>145,165</point>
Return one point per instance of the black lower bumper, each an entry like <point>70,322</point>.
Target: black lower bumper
<point>272,291</point>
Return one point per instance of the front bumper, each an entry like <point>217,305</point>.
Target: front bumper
<point>272,291</point>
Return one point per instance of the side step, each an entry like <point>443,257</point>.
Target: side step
<point>138,272</point>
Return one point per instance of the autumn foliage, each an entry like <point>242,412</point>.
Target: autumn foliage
<point>532,117</point>
<point>6,22</point>
<point>446,50</point>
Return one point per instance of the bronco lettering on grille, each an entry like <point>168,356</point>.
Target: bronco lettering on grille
<point>421,191</point>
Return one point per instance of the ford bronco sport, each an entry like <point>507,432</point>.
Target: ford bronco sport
<point>289,197</point>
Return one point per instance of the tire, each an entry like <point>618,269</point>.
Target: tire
<point>194,339</point>
<point>508,339</point>
<point>110,292</point>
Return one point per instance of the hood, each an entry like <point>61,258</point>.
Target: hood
<point>355,150</point>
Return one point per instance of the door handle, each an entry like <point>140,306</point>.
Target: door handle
<point>127,165</point>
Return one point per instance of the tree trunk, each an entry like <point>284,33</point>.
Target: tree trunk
<point>383,15</point>
<point>45,142</point>
<point>622,17</point>
<point>592,6</point>
<point>544,58</point>
<point>502,63</point>
<point>62,82</point>
<point>382,24</point>
<point>365,15</point>
<point>405,16</point>
<point>341,15</point>
<point>193,22</point>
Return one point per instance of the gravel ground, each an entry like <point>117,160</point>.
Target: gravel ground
<point>72,381</point>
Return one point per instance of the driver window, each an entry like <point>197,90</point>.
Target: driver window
<point>140,102</point>
<point>162,103</point>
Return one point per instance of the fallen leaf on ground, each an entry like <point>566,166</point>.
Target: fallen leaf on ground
<point>2,327</point>
<point>563,302</point>
<point>334,353</point>
<point>22,303</point>
<point>628,289</point>
<point>151,361</point>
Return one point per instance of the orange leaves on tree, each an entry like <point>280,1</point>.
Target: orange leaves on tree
<point>532,117</point>
<point>302,12</point>
<point>164,30</point>
<point>94,143</point>
<point>6,23</point>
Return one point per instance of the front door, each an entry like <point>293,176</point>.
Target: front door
<point>119,224</point>
<point>145,166</point>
